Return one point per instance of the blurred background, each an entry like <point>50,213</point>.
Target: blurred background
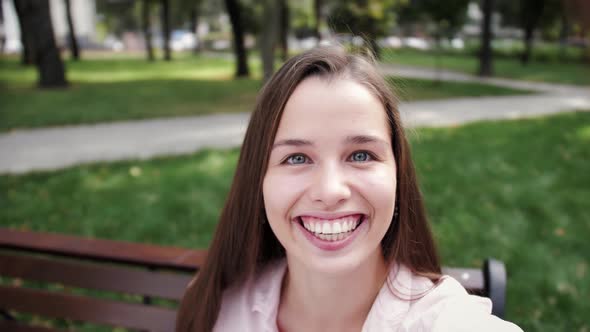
<point>122,119</point>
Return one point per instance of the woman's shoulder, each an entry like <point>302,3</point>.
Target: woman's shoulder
<point>251,306</point>
<point>448,307</point>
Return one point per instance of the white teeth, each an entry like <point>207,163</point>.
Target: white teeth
<point>331,231</point>
<point>345,227</point>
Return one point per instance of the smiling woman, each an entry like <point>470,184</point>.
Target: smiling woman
<point>324,228</point>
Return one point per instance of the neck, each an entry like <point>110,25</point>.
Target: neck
<point>316,298</point>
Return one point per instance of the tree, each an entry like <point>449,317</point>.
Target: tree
<point>579,11</point>
<point>485,55</point>
<point>284,28</point>
<point>72,32</point>
<point>2,35</point>
<point>271,11</point>
<point>447,18</point>
<point>317,6</point>
<point>194,19</point>
<point>165,11</point>
<point>147,28</point>
<point>531,15</point>
<point>120,16</point>
<point>186,13</point>
<point>233,10</point>
<point>531,11</point>
<point>444,20</point>
<point>27,56</point>
<point>366,18</point>
<point>36,20</point>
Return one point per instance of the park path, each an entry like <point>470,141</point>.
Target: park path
<point>23,151</point>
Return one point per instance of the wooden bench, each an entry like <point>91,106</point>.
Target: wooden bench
<point>68,278</point>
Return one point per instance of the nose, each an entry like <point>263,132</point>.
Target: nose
<point>330,186</point>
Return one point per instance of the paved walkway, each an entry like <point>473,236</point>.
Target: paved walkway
<point>53,148</point>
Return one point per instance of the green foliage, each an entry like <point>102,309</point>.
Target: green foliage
<point>119,16</point>
<point>515,13</point>
<point>490,190</point>
<point>364,17</point>
<point>302,18</point>
<point>447,18</point>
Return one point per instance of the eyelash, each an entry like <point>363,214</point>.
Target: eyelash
<point>370,157</point>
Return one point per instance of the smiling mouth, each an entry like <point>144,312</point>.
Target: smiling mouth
<point>332,229</point>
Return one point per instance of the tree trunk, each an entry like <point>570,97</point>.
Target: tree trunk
<point>166,29</point>
<point>485,53</point>
<point>437,66</point>
<point>3,35</point>
<point>147,29</point>
<point>563,34</point>
<point>27,53</point>
<point>318,17</point>
<point>269,37</point>
<point>233,10</point>
<point>528,44</point>
<point>36,19</point>
<point>284,28</point>
<point>194,21</point>
<point>531,11</point>
<point>75,51</point>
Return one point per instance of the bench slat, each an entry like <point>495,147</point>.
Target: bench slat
<point>54,305</point>
<point>95,276</point>
<point>103,250</point>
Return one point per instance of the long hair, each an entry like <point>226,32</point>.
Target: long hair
<point>244,242</point>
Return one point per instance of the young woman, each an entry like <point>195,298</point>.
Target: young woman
<point>324,228</point>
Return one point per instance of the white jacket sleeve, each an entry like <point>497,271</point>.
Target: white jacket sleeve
<point>448,307</point>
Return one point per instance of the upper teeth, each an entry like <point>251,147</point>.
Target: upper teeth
<point>321,226</point>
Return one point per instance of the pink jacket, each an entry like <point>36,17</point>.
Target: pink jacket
<point>447,307</point>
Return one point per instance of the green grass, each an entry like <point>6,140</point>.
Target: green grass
<point>514,190</point>
<point>569,73</point>
<point>116,89</point>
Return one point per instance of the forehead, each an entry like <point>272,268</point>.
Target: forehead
<point>320,107</point>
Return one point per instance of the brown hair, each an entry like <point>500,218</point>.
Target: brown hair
<point>244,243</point>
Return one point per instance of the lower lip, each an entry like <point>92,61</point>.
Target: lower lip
<point>331,245</point>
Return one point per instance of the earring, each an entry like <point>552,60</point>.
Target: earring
<point>396,212</point>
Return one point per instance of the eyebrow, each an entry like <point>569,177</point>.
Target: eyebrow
<point>357,139</point>
<point>365,139</point>
<point>292,142</point>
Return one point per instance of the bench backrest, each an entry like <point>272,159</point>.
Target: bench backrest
<point>113,283</point>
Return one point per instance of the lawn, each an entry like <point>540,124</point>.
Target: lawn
<point>553,72</point>
<point>115,89</point>
<point>514,190</point>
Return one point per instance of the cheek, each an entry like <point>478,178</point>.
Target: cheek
<point>280,193</point>
<point>378,187</point>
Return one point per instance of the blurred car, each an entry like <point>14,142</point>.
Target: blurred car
<point>181,40</point>
<point>416,42</point>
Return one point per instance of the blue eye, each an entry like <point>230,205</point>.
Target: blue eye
<point>360,156</point>
<point>296,159</point>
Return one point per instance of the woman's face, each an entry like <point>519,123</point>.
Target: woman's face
<point>329,190</point>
